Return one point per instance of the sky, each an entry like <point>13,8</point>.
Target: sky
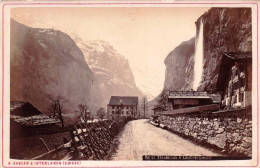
<point>144,35</point>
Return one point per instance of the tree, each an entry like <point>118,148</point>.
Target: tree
<point>56,107</point>
<point>101,113</point>
<point>84,111</point>
<point>163,99</point>
<point>144,104</point>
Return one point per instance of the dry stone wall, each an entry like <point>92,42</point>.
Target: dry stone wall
<point>229,131</point>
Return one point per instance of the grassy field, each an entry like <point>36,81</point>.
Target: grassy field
<point>29,147</point>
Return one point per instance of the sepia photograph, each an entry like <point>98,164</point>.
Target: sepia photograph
<point>129,83</point>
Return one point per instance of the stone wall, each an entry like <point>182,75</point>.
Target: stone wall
<point>229,131</point>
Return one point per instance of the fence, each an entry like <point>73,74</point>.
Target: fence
<point>88,141</point>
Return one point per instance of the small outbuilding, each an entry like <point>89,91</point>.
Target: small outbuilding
<point>184,99</point>
<point>158,109</point>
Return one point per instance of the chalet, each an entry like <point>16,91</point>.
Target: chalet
<point>26,115</point>
<point>158,109</point>
<point>235,80</point>
<point>184,99</point>
<point>122,106</point>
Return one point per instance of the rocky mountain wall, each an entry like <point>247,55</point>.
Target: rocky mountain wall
<point>179,66</point>
<point>225,30</point>
<point>48,62</point>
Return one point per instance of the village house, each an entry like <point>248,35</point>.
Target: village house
<point>122,106</point>
<point>235,80</point>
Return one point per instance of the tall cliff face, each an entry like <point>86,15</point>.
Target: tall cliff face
<point>111,69</point>
<point>225,30</point>
<point>179,66</point>
<point>48,62</point>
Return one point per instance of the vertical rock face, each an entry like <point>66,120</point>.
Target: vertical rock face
<point>225,30</point>
<point>179,66</point>
<point>47,62</point>
<point>111,69</point>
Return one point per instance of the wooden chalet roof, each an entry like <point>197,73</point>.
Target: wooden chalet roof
<point>35,120</point>
<point>227,61</point>
<point>123,100</point>
<point>188,94</point>
<point>24,109</point>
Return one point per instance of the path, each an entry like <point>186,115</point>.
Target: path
<point>140,138</point>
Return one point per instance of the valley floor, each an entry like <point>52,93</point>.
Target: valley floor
<point>140,138</point>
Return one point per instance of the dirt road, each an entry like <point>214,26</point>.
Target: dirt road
<point>140,138</point>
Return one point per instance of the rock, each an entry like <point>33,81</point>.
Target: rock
<point>220,130</point>
<point>219,140</point>
<point>194,135</point>
<point>191,125</point>
<point>248,126</point>
<point>216,126</point>
<point>239,120</point>
<point>247,139</point>
<point>231,145</point>
<point>236,137</point>
<point>245,144</point>
<point>204,122</point>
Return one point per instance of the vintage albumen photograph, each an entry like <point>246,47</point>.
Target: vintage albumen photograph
<point>130,83</point>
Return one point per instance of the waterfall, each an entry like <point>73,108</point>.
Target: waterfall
<point>198,58</point>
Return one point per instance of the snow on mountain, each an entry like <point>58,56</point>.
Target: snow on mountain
<point>111,69</point>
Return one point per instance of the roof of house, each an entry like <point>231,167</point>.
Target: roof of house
<point>188,94</point>
<point>236,56</point>
<point>227,61</point>
<point>123,100</point>
<point>35,120</point>
<point>24,109</point>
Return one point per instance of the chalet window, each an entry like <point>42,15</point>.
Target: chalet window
<point>126,112</point>
<point>234,72</point>
<point>112,112</point>
<point>235,86</point>
<point>122,112</point>
<point>235,99</point>
<point>241,96</point>
<point>229,90</point>
<point>127,107</point>
<point>242,82</point>
<point>113,107</point>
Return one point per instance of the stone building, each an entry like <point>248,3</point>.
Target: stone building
<point>122,106</point>
<point>235,80</point>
